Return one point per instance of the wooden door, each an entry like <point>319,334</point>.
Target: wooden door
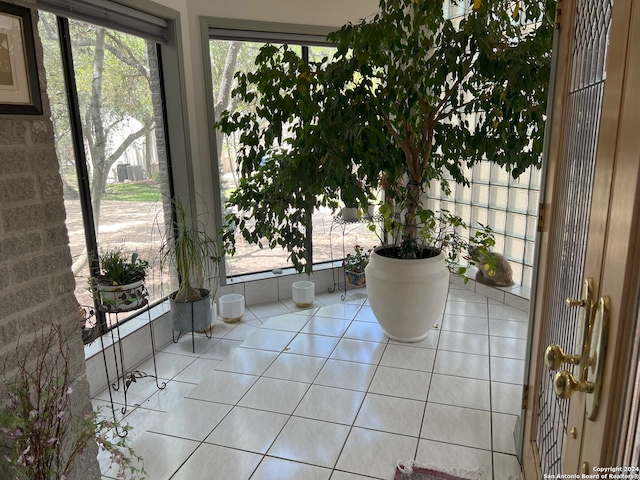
<point>591,205</point>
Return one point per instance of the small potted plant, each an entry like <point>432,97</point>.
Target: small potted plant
<point>354,265</point>
<point>119,287</point>
<point>349,195</point>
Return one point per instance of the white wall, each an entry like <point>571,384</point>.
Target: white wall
<point>332,13</point>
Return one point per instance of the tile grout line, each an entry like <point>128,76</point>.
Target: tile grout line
<point>493,467</point>
<point>426,401</point>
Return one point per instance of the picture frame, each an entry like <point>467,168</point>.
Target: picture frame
<point>19,81</point>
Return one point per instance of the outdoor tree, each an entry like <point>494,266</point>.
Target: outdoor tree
<point>114,78</point>
<point>227,59</point>
<point>223,81</point>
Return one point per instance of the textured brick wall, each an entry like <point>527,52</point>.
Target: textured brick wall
<point>36,283</point>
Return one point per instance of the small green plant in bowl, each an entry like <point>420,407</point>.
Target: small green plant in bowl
<point>119,287</point>
<point>118,268</point>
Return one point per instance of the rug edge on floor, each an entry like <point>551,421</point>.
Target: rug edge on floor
<point>411,469</point>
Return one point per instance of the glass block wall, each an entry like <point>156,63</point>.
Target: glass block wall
<point>509,206</point>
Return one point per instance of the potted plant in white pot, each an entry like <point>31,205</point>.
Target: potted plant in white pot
<point>393,106</point>
<point>194,254</point>
<point>408,282</point>
<point>349,193</point>
<point>119,287</point>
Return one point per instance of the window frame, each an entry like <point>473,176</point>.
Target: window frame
<point>176,131</point>
<point>218,28</point>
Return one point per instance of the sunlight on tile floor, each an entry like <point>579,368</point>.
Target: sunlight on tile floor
<point>322,394</point>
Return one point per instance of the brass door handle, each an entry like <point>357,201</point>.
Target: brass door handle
<point>566,385</point>
<point>597,354</point>
<point>554,357</point>
<point>594,344</point>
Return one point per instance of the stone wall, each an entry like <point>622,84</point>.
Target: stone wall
<point>36,283</point>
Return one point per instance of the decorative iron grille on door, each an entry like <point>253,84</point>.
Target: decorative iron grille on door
<point>576,173</point>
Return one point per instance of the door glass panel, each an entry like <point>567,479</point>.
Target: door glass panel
<point>577,167</point>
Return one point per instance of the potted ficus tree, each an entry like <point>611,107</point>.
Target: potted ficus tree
<point>194,255</point>
<point>119,287</point>
<point>409,99</point>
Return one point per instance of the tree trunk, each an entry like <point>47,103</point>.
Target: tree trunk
<point>96,132</point>
<point>412,202</point>
<point>95,125</point>
<point>224,90</point>
<point>148,154</point>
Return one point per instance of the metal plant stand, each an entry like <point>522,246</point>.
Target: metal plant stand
<point>340,223</point>
<point>193,335</point>
<point>125,378</point>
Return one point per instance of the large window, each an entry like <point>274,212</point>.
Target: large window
<point>229,56</point>
<point>495,199</point>
<point>109,133</point>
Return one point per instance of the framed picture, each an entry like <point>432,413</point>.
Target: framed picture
<point>19,84</point>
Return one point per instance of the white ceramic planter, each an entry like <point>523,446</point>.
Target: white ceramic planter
<point>303,293</point>
<point>231,307</point>
<point>407,296</point>
<point>350,213</point>
<point>122,298</point>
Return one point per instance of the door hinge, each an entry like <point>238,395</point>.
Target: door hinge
<point>525,397</point>
<point>541,217</point>
<point>559,15</point>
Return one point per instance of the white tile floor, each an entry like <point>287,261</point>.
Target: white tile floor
<point>322,394</point>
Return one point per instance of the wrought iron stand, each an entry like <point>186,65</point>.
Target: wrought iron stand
<point>340,223</point>
<point>124,378</point>
<point>193,335</point>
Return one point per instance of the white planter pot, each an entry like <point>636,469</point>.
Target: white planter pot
<point>231,307</point>
<point>122,298</point>
<point>350,213</point>
<point>303,293</point>
<point>407,296</point>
